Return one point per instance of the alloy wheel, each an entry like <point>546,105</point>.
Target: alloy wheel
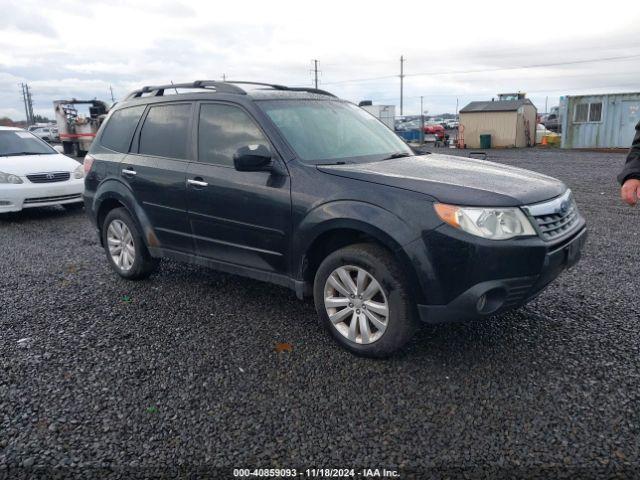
<point>120,244</point>
<point>356,304</point>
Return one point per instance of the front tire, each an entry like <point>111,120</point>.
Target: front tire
<point>362,298</point>
<point>126,251</point>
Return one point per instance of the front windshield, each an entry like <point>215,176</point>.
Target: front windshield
<point>323,131</point>
<point>19,142</point>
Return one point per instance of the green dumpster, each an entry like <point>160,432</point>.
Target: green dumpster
<point>485,141</point>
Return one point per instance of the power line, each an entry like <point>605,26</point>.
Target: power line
<point>635,86</point>
<point>487,70</point>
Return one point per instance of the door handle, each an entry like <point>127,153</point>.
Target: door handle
<point>198,182</point>
<point>128,171</point>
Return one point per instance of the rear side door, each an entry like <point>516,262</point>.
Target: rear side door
<point>155,169</point>
<point>243,218</point>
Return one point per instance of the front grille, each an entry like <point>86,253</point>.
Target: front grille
<point>58,198</point>
<point>555,218</point>
<point>49,177</point>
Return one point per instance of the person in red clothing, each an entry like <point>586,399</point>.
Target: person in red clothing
<point>629,178</point>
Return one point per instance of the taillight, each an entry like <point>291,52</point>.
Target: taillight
<point>88,161</point>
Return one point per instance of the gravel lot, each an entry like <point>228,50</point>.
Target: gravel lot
<point>100,376</point>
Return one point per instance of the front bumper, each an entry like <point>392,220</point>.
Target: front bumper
<point>494,296</point>
<point>15,197</point>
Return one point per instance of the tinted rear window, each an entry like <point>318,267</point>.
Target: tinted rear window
<point>165,131</point>
<point>119,130</point>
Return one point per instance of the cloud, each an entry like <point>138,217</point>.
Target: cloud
<point>76,48</point>
<point>17,17</point>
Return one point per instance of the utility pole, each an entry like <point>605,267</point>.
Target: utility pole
<point>28,103</point>
<point>224,77</point>
<point>315,73</point>
<point>112,97</point>
<point>401,83</point>
<point>546,105</point>
<point>24,99</point>
<point>421,121</point>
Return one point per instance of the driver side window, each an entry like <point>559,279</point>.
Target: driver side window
<point>222,129</point>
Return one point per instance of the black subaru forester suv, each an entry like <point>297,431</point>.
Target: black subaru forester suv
<point>296,187</point>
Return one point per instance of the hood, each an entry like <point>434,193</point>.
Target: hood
<point>456,180</point>
<point>24,164</point>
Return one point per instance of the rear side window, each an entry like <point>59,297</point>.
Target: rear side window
<point>165,131</point>
<point>119,130</point>
<point>222,130</point>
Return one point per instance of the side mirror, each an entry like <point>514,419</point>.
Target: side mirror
<point>252,158</point>
<point>59,149</point>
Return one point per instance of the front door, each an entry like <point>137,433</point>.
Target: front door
<point>242,218</point>
<point>156,171</point>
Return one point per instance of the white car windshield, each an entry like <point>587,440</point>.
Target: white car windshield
<point>20,142</point>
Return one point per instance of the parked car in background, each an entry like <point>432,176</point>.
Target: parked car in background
<point>451,124</point>
<point>435,129</point>
<point>48,134</point>
<point>34,174</point>
<point>553,121</point>
<point>296,187</point>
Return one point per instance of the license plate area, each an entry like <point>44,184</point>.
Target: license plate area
<point>573,251</point>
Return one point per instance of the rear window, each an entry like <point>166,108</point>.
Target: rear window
<point>119,129</point>
<point>165,131</point>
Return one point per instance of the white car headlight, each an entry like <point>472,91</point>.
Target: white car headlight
<point>491,223</point>
<point>9,178</point>
<point>78,172</point>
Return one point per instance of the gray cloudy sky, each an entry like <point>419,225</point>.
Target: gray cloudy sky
<point>467,51</point>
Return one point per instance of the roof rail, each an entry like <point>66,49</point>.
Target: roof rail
<point>221,87</point>
<point>158,90</point>
<point>275,86</point>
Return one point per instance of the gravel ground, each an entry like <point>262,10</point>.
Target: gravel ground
<point>104,377</point>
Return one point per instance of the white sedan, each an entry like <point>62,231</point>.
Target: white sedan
<point>34,174</point>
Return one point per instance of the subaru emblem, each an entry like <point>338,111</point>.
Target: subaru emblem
<point>564,207</point>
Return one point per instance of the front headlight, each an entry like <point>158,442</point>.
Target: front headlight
<point>9,178</point>
<point>78,172</point>
<point>491,223</point>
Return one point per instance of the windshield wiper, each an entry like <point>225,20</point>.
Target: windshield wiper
<point>398,155</point>
<point>17,154</point>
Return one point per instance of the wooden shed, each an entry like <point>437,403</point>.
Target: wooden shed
<point>511,123</point>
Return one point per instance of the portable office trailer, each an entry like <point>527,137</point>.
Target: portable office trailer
<point>599,121</point>
<point>385,113</point>
<point>511,123</point>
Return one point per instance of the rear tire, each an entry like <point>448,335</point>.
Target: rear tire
<point>377,299</point>
<point>132,260</point>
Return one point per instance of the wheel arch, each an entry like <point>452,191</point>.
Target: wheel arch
<point>114,194</point>
<point>330,234</point>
